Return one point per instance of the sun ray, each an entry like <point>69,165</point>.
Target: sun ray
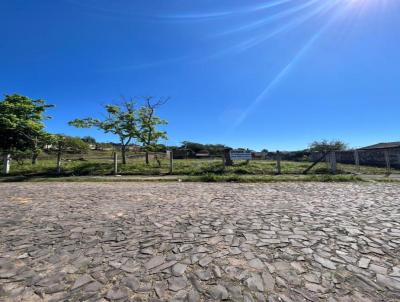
<point>293,24</point>
<point>277,79</point>
<point>213,15</point>
<point>270,18</point>
<point>95,8</point>
<point>242,46</point>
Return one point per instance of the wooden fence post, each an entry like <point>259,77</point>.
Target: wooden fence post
<point>170,155</point>
<point>328,160</point>
<point>357,160</point>
<point>387,160</point>
<point>6,163</point>
<point>278,162</point>
<point>58,163</point>
<point>115,155</point>
<point>227,157</point>
<point>333,162</point>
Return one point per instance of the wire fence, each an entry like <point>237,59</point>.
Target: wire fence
<point>378,162</point>
<point>374,162</point>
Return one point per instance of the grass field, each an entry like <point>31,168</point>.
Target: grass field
<point>100,164</point>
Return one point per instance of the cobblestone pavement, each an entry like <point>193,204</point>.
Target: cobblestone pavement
<point>199,242</point>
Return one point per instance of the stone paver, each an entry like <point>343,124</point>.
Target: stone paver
<point>199,242</point>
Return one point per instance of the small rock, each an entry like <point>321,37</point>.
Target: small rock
<point>268,280</point>
<point>177,283</point>
<point>255,283</point>
<point>23,256</point>
<point>154,262</point>
<point>93,287</point>
<point>316,288</point>
<point>180,296</point>
<point>217,271</point>
<point>131,282</point>
<point>256,263</point>
<point>235,251</point>
<point>116,293</point>
<point>159,288</point>
<point>259,297</point>
<point>364,262</point>
<point>218,292</point>
<point>205,261</point>
<point>178,269</point>
<point>203,275</point>
<point>81,281</point>
<point>393,283</point>
<point>298,267</point>
<point>247,297</point>
<point>313,277</point>
<point>324,262</point>
<point>193,296</point>
<point>378,269</point>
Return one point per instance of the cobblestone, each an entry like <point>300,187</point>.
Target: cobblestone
<point>199,242</point>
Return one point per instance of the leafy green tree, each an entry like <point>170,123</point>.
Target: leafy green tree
<point>327,146</point>
<point>38,144</point>
<point>213,149</point>
<point>120,120</point>
<point>21,124</point>
<point>63,143</point>
<point>89,140</point>
<point>130,123</point>
<point>69,144</point>
<point>147,133</point>
<point>192,146</point>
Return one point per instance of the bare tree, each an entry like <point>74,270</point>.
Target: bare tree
<point>148,134</point>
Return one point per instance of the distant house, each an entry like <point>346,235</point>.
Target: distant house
<point>383,146</point>
<point>181,153</point>
<point>104,147</point>
<point>203,154</point>
<point>117,146</point>
<point>374,155</point>
<point>259,155</point>
<point>134,148</point>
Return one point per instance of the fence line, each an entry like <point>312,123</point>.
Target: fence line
<point>103,162</point>
<point>385,158</point>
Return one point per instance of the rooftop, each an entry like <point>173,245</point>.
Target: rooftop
<point>382,146</point>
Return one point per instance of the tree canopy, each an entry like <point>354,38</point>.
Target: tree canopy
<point>147,122</point>
<point>214,149</point>
<point>120,120</point>
<point>21,122</point>
<point>129,123</point>
<point>326,146</point>
<point>89,140</point>
<point>64,143</point>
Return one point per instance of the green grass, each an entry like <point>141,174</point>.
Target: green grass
<point>100,164</point>
<point>181,167</point>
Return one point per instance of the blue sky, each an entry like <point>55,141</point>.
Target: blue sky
<point>273,74</point>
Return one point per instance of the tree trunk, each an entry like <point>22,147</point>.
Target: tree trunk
<point>147,157</point>
<point>34,158</point>
<point>35,152</point>
<point>6,163</point>
<point>59,163</point>
<point>123,154</point>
